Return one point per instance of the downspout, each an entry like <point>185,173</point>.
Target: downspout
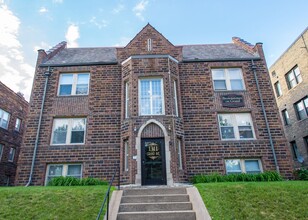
<point>172,103</point>
<point>47,74</point>
<point>254,68</point>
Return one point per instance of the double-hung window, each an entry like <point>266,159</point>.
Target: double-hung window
<point>301,108</point>
<point>278,89</point>
<point>127,94</point>
<point>56,170</point>
<point>293,77</point>
<point>236,126</point>
<point>151,96</point>
<point>286,117</point>
<point>68,131</point>
<point>4,119</point>
<point>175,95</point>
<point>228,79</point>
<point>17,124</point>
<point>74,84</point>
<point>11,155</point>
<point>237,166</point>
<point>126,155</point>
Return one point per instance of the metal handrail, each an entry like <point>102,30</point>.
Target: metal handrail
<point>107,196</point>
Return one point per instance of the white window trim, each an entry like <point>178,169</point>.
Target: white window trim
<point>69,131</point>
<point>127,85</point>
<point>74,85</point>
<point>126,155</point>
<point>180,154</point>
<point>1,151</point>
<point>162,94</point>
<point>175,98</point>
<point>235,128</point>
<point>13,157</point>
<point>228,79</point>
<point>242,164</point>
<point>1,118</point>
<point>64,170</point>
<point>17,124</point>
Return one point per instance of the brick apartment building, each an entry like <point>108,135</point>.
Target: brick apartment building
<point>289,77</point>
<point>161,113</point>
<point>13,113</point>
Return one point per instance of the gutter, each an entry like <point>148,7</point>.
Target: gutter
<point>219,60</point>
<point>254,68</point>
<point>78,64</point>
<point>47,74</point>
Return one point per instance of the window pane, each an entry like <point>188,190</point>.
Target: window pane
<point>60,131</point>
<point>12,154</point>
<point>225,120</point>
<point>245,132</point>
<point>66,82</point>
<point>78,129</point>
<point>55,170</point>
<point>156,97</point>
<point>220,85</point>
<point>82,84</point>
<point>17,124</point>
<point>218,74</point>
<point>151,101</point>
<point>252,166</point>
<point>306,104</point>
<point>286,117</point>
<point>235,73</point>
<point>298,75</point>
<point>227,133</point>
<point>5,119</point>
<point>233,166</point>
<point>65,90</point>
<point>1,150</point>
<point>291,79</point>
<point>301,110</point>
<point>236,84</point>
<point>74,170</point>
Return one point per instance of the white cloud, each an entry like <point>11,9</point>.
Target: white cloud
<point>15,72</point>
<point>43,10</point>
<point>100,24</point>
<point>120,7</point>
<point>72,35</point>
<point>42,45</point>
<point>140,8</point>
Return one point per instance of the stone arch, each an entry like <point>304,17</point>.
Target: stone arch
<point>153,125</point>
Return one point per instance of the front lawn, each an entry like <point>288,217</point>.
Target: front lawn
<point>76,202</point>
<point>256,200</point>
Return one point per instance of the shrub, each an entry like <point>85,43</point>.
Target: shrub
<point>301,174</point>
<point>242,177</point>
<point>73,181</point>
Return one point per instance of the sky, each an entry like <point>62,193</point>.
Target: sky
<point>29,25</point>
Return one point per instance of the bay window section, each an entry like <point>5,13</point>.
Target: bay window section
<point>151,97</point>
<point>236,126</point>
<point>73,84</point>
<point>68,131</point>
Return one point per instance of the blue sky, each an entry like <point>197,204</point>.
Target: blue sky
<point>28,25</point>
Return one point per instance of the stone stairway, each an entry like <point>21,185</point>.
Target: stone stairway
<point>156,204</point>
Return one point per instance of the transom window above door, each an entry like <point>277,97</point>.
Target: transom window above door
<point>228,79</point>
<point>73,84</point>
<point>151,96</point>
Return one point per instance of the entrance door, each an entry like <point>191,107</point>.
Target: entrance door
<point>153,161</point>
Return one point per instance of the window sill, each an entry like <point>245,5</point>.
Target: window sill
<point>235,140</point>
<point>63,96</point>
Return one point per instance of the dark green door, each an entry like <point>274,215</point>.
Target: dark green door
<point>153,161</point>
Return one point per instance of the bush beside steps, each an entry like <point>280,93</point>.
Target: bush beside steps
<point>243,177</point>
<point>73,181</point>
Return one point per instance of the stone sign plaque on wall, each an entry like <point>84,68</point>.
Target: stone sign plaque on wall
<point>232,101</point>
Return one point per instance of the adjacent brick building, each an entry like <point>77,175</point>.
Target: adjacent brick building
<point>289,77</point>
<point>161,113</point>
<point>13,114</point>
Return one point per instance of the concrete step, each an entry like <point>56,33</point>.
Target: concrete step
<point>138,207</point>
<point>154,191</point>
<point>161,215</point>
<point>155,198</point>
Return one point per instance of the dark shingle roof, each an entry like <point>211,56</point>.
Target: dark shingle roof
<point>108,55</point>
<point>77,56</point>
<point>216,52</point>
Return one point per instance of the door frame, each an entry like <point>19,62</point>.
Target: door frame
<point>163,157</point>
<point>169,177</point>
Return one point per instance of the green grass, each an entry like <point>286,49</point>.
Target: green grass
<point>77,202</point>
<point>262,200</point>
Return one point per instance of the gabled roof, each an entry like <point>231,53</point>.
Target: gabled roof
<point>208,52</point>
<point>79,56</point>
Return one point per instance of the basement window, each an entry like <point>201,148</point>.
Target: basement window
<point>237,166</point>
<point>56,170</point>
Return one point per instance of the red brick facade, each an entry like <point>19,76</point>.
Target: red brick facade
<point>10,138</point>
<point>196,125</point>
